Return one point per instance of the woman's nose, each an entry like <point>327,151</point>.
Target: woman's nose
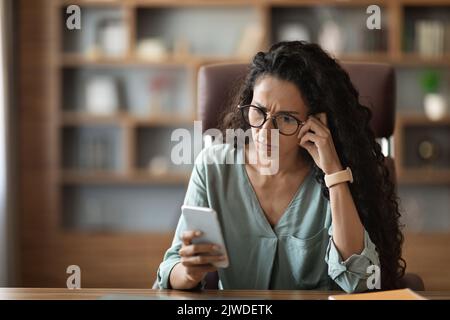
<point>266,130</point>
<point>269,123</point>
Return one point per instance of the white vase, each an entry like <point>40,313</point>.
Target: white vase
<point>152,49</point>
<point>435,106</point>
<point>113,38</point>
<point>331,38</point>
<point>101,95</point>
<point>293,32</point>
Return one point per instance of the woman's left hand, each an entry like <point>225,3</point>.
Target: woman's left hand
<point>316,138</point>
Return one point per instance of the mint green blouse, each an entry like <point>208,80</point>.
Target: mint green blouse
<point>298,253</point>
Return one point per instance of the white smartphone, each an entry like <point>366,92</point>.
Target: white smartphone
<point>206,221</point>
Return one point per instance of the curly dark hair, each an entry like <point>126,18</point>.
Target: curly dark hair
<point>326,87</point>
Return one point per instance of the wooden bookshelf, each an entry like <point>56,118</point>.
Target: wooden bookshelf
<point>125,258</point>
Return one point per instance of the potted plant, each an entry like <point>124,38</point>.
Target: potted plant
<point>434,103</point>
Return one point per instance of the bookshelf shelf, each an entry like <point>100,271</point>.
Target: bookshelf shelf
<point>404,59</point>
<point>373,57</point>
<point>96,3</point>
<point>162,120</point>
<point>123,119</point>
<point>415,60</point>
<point>429,177</point>
<point>80,118</point>
<point>77,60</point>
<point>113,178</point>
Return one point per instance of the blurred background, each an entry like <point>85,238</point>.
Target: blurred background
<point>90,91</point>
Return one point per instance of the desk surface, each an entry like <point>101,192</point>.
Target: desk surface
<point>90,294</point>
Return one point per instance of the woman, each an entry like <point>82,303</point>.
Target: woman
<point>289,230</point>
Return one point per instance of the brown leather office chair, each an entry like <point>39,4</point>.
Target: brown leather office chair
<point>376,85</point>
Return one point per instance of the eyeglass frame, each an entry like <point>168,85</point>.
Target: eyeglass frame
<point>299,122</point>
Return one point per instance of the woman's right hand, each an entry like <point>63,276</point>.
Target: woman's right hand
<point>197,259</point>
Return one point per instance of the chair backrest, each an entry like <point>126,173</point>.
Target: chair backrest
<point>374,81</point>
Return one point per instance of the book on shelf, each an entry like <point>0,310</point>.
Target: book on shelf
<point>430,38</point>
<point>447,39</point>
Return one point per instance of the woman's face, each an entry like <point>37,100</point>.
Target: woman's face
<point>277,96</point>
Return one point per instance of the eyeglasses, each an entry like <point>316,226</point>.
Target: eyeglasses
<point>256,117</point>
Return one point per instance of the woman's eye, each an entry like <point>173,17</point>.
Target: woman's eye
<point>287,119</point>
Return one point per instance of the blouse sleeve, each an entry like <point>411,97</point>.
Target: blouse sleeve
<point>196,195</point>
<point>352,274</point>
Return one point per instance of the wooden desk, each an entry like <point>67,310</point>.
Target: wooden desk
<point>90,294</point>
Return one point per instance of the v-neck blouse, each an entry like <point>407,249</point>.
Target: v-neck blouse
<point>258,210</point>
<point>297,253</point>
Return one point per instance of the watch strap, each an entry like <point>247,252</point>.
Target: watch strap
<point>338,177</point>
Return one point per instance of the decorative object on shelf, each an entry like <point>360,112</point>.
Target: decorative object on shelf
<point>152,49</point>
<point>93,52</point>
<point>102,97</point>
<point>434,103</point>
<point>435,106</point>
<point>331,38</point>
<point>428,150</point>
<point>160,93</point>
<point>181,48</point>
<point>159,165</point>
<point>423,152</point>
<point>293,31</point>
<point>250,42</point>
<point>429,38</point>
<point>112,37</point>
